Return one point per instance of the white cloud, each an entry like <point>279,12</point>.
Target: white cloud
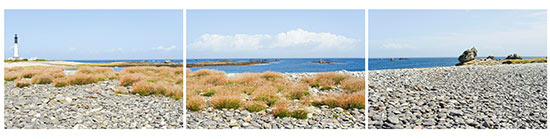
<point>162,48</point>
<point>298,38</point>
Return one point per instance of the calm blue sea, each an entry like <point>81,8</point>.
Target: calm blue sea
<point>290,65</point>
<point>385,63</point>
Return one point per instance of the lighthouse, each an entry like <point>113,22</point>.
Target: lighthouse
<point>15,50</point>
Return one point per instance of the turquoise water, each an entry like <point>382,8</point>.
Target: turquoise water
<point>290,65</point>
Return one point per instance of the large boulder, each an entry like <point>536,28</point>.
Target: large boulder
<point>468,55</point>
<point>513,56</point>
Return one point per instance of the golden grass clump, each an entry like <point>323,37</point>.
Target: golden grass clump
<point>214,79</point>
<point>343,100</point>
<point>246,78</point>
<point>10,76</point>
<point>206,72</point>
<point>60,82</point>
<point>326,80</point>
<point>31,71</point>
<point>100,73</point>
<point>22,83</point>
<point>353,84</point>
<point>80,79</point>
<point>271,75</point>
<point>255,106</point>
<point>130,79</point>
<point>194,102</point>
<point>297,91</point>
<point>174,91</point>
<point>281,109</point>
<point>267,94</point>
<point>146,88</point>
<point>227,100</point>
<point>42,79</point>
<point>13,69</point>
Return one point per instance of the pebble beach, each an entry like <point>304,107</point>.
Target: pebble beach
<point>466,97</point>
<point>92,106</point>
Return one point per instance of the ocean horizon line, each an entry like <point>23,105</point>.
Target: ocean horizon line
<point>287,58</point>
<point>446,57</point>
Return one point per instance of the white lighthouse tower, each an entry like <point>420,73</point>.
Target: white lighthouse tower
<point>15,50</point>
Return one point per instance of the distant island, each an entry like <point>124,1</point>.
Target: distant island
<point>226,63</point>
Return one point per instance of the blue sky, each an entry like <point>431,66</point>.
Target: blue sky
<point>275,33</point>
<point>95,34</point>
<point>447,33</point>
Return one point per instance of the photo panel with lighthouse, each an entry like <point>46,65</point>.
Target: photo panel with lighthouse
<point>93,69</point>
<point>275,69</point>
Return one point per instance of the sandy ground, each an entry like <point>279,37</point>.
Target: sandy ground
<point>40,63</point>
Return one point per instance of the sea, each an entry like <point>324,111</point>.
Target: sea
<point>123,60</point>
<point>288,65</point>
<point>385,63</point>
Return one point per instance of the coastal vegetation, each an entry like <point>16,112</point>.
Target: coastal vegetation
<point>286,97</point>
<point>166,81</point>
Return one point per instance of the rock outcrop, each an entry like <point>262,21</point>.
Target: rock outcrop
<point>468,55</point>
<point>513,56</point>
<point>491,57</point>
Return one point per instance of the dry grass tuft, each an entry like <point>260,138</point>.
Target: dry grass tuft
<point>10,76</point>
<point>194,102</point>
<point>353,84</point>
<point>207,72</point>
<point>227,100</point>
<point>22,83</point>
<point>271,75</point>
<point>42,79</point>
<point>146,88</point>
<point>343,100</point>
<point>281,109</point>
<point>297,91</point>
<point>255,106</point>
<point>267,94</point>
<point>130,79</point>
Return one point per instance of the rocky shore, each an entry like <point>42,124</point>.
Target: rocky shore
<point>483,97</point>
<point>321,118</point>
<point>318,117</point>
<point>92,106</point>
